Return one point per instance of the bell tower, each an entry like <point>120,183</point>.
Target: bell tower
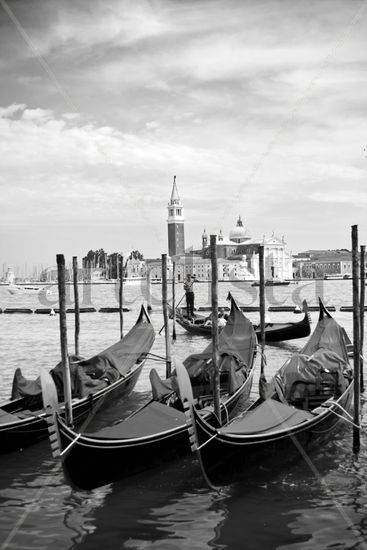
<point>175,222</point>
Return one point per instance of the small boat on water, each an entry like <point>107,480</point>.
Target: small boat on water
<point>27,289</point>
<point>108,375</point>
<point>128,281</point>
<point>274,332</point>
<point>337,276</point>
<point>157,432</point>
<point>272,282</point>
<point>301,405</point>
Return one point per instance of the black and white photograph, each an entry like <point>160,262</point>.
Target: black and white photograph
<point>183,220</point>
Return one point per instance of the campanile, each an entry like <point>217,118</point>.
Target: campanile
<point>175,222</point>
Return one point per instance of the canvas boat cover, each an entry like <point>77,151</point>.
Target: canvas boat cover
<point>269,416</point>
<point>324,359</point>
<point>91,375</point>
<point>152,419</point>
<point>236,348</point>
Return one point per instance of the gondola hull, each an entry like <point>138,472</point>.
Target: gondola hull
<point>22,432</point>
<point>112,459</point>
<point>297,409</point>
<point>158,432</point>
<point>23,420</point>
<point>274,332</point>
<point>227,458</point>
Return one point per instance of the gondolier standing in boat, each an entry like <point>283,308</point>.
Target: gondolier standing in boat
<point>190,296</point>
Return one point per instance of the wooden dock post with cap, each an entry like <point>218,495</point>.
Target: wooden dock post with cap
<point>356,339</point>
<point>165,316</point>
<point>214,300</point>
<point>76,305</point>
<point>60,260</point>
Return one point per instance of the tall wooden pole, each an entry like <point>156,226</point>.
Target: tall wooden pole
<point>76,305</point>
<point>173,301</point>
<point>361,312</point>
<point>121,299</point>
<point>149,290</point>
<point>262,310</point>
<point>214,299</point>
<point>356,339</point>
<point>165,316</point>
<point>60,260</point>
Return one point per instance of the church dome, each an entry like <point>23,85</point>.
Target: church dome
<point>239,234</point>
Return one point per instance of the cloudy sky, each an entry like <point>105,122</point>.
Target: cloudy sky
<point>258,107</point>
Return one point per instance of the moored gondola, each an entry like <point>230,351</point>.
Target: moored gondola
<point>274,332</point>
<point>157,432</point>
<point>110,374</point>
<point>297,409</point>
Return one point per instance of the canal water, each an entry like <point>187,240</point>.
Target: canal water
<point>322,504</point>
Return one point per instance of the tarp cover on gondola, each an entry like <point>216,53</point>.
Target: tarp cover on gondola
<point>236,345</point>
<point>322,362</point>
<point>91,375</point>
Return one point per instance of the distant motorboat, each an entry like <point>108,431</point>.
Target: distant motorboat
<point>133,280</point>
<point>337,276</point>
<point>27,289</point>
<point>272,283</point>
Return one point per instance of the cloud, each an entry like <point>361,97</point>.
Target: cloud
<point>11,110</point>
<point>258,107</point>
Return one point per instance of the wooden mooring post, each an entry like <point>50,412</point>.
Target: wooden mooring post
<point>214,316</point>
<point>262,311</point>
<point>76,305</point>
<point>361,310</point>
<point>121,297</point>
<point>149,289</point>
<point>356,338</point>
<point>165,316</point>
<point>60,260</point>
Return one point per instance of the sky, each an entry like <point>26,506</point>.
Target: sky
<point>258,107</point>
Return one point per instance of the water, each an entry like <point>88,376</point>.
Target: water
<point>171,508</point>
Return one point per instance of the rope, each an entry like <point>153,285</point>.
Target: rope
<point>70,445</point>
<point>153,355</point>
<point>206,442</point>
<point>346,419</point>
<point>349,420</point>
<point>227,415</point>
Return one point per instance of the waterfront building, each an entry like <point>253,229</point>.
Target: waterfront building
<point>135,267</point>
<point>316,264</point>
<point>241,247</point>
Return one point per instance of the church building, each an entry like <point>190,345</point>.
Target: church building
<point>238,256</point>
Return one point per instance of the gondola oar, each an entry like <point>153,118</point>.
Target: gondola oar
<point>176,308</point>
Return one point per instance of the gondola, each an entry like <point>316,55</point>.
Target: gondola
<point>110,374</point>
<point>274,332</point>
<point>157,432</point>
<point>296,410</point>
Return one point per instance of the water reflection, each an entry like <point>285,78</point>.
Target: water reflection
<point>166,510</point>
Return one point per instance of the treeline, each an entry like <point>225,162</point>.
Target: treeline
<point>108,263</point>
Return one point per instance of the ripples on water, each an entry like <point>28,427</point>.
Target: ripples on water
<point>171,508</point>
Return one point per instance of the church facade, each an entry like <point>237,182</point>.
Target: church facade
<point>238,256</point>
